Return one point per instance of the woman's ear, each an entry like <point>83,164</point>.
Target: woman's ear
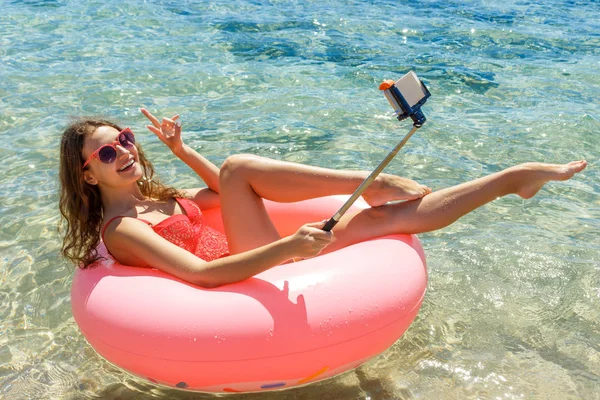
<point>89,179</point>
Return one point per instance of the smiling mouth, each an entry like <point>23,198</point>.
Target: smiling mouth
<point>127,166</point>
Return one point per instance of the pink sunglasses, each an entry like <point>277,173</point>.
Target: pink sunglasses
<point>108,153</point>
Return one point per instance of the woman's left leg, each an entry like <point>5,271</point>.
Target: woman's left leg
<point>441,208</point>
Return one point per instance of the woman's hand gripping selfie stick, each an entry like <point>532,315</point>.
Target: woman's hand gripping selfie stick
<point>406,96</point>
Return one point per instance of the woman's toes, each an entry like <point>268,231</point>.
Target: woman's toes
<point>540,174</point>
<point>577,166</point>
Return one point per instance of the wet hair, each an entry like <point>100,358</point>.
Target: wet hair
<point>80,203</point>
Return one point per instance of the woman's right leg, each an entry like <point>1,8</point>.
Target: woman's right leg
<point>245,180</point>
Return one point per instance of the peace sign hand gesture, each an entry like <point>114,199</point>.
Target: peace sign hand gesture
<point>168,131</point>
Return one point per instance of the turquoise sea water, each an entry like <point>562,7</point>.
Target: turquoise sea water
<point>512,308</point>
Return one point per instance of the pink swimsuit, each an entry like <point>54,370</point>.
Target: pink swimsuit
<point>189,232</point>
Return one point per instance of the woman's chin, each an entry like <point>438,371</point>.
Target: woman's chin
<point>133,173</point>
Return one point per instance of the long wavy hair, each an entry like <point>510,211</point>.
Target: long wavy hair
<point>80,203</point>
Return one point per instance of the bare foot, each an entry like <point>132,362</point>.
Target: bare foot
<point>390,188</point>
<point>540,174</point>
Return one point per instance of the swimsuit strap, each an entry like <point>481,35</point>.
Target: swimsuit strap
<point>190,208</point>
<point>120,216</point>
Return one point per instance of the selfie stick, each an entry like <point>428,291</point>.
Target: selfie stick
<point>403,110</point>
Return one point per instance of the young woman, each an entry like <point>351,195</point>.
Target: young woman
<point>109,193</point>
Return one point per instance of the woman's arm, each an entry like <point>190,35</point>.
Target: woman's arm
<point>205,198</point>
<point>128,236</point>
<point>205,169</point>
<point>169,132</point>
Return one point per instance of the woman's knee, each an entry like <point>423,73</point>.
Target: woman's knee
<point>237,166</point>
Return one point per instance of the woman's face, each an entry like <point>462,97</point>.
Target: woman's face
<point>124,169</point>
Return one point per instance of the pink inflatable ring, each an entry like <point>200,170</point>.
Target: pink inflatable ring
<point>291,325</point>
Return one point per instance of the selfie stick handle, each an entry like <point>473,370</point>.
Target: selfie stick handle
<point>367,182</point>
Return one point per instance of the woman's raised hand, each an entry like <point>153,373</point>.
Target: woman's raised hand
<point>168,130</point>
<point>310,239</point>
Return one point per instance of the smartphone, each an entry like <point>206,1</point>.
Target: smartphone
<point>411,88</point>
<point>406,96</point>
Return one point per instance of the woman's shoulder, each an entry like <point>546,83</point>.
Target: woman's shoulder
<point>126,238</point>
<point>110,225</point>
<point>146,212</point>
